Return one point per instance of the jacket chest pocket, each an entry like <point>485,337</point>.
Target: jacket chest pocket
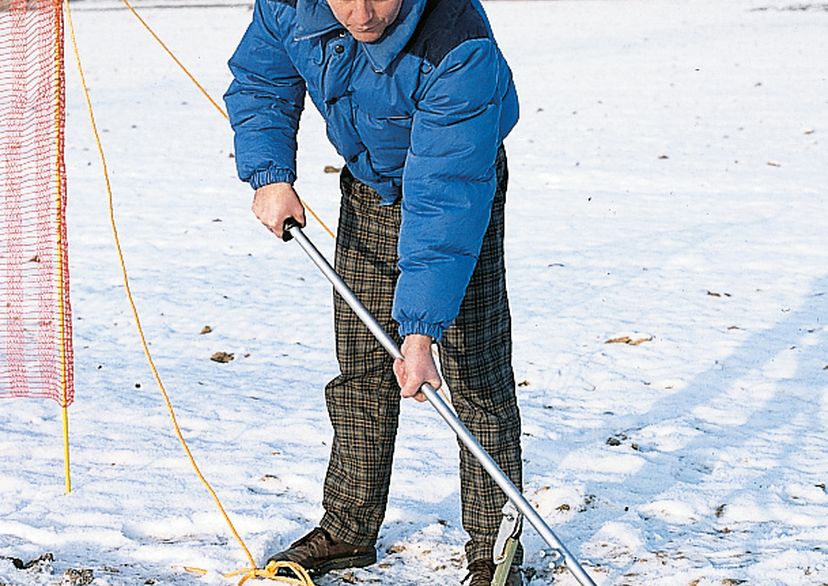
<point>402,120</point>
<point>371,121</point>
<point>396,130</point>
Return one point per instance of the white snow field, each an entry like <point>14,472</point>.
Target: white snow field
<point>668,184</point>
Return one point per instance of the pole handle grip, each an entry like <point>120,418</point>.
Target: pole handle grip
<point>289,225</point>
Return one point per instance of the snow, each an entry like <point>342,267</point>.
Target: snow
<point>668,180</point>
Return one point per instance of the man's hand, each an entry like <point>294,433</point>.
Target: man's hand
<point>417,368</point>
<point>275,203</point>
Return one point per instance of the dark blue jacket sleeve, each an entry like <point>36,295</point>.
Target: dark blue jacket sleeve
<point>448,187</point>
<point>265,100</point>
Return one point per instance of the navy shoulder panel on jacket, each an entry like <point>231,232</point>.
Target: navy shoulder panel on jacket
<point>291,3</point>
<point>444,25</point>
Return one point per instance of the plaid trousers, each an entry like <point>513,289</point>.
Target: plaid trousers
<point>363,400</point>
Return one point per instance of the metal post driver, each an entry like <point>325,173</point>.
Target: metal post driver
<point>559,551</point>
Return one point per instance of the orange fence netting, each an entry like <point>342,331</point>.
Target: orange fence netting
<point>35,313</point>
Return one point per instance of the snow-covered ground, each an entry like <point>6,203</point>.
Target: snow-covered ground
<point>668,182</point>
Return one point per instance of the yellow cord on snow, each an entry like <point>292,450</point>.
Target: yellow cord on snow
<point>253,571</point>
<point>301,576</point>
<point>209,98</point>
<point>270,572</point>
<point>174,58</point>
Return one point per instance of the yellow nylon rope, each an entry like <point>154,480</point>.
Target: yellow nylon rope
<point>253,571</point>
<point>209,98</point>
<point>271,572</point>
<point>177,61</point>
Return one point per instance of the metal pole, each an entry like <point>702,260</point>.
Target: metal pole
<point>293,230</point>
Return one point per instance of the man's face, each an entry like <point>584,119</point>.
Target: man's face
<point>366,20</point>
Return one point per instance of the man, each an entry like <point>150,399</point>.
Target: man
<point>417,98</point>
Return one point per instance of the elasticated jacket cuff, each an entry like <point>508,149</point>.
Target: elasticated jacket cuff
<point>434,331</point>
<point>272,175</point>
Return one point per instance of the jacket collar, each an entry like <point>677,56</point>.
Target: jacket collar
<point>314,18</point>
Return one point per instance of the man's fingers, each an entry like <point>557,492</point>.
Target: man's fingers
<point>407,389</point>
<point>277,224</point>
<point>270,220</point>
<point>276,227</point>
<point>410,388</point>
<point>399,370</point>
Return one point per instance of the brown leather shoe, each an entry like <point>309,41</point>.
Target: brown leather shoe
<point>481,573</point>
<point>318,552</point>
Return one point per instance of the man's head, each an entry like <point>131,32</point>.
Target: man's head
<point>366,20</point>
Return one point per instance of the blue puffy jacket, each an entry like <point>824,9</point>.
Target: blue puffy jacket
<point>418,114</point>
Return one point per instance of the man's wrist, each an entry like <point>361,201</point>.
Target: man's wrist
<point>275,192</point>
<point>418,341</point>
<point>276,187</point>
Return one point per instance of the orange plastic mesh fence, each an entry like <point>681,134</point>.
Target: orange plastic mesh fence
<point>35,318</point>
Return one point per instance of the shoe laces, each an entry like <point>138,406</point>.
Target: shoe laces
<point>316,542</point>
